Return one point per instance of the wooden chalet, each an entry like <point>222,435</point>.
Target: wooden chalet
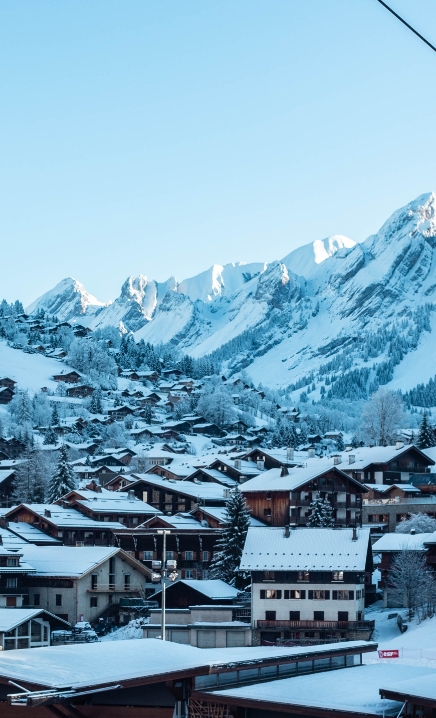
<point>208,429</point>
<point>6,395</point>
<point>385,464</point>
<point>281,497</point>
<point>13,448</point>
<point>80,390</point>
<point>6,381</point>
<point>7,485</point>
<point>271,458</point>
<point>69,377</point>
<point>171,497</point>
<point>120,412</point>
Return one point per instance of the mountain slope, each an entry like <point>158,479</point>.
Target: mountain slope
<point>334,314</point>
<point>67,300</point>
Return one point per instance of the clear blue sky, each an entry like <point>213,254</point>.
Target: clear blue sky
<point>162,137</point>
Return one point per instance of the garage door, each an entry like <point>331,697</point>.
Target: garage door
<point>180,637</point>
<point>235,638</point>
<point>206,639</point>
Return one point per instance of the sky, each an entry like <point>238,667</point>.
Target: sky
<point>159,138</point>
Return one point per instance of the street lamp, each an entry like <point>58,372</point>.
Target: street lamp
<point>160,573</point>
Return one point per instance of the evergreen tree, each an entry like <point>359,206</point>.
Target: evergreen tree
<point>426,434</point>
<point>96,405</point>
<point>321,515</point>
<point>50,437</point>
<point>55,416</point>
<point>340,442</point>
<point>147,414</point>
<point>30,481</point>
<point>63,480</point>
<point>229,547</point>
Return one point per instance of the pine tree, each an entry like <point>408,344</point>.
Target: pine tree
<point>321,515</point>
<point>55,416</point>
<point>96,404</point>
<point>426,435</point>
<point>30,481</point>
<point>340,442</point>
<point>63,480</point>
<point>229,547</point>
<point>50,437</point>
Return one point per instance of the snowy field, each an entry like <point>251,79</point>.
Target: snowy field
<point>30,371</point>
<point>418,642</point>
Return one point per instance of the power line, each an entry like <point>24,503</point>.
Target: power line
<point>407,25</point>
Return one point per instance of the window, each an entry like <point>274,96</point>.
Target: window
<point>127,581</point>
<point>295,594</point>
<point>189,573</point>
<point>36,599</point>
<point>294,615</point>
<point>342,615</point>
<point>343,595</point>
<point>189,555</point>
<point>269,576</point>
<point>147,555</point>
<point>58,599</point>
<point>12,562</point>
<point>318,615</point>
<point>170,555</point>
<point>303,575</point>
<point>270,615</point>
<point>205,555</point>
<point>94,602</point>
<point>338,576</point>
<point>11,582</point>
<point>94,581</point>
<point>319,595</point>
<point>267,512</point>
<point>272,593</point>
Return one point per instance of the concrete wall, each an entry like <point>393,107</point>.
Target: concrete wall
<point>306,606</point>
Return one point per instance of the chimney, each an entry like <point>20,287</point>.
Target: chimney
<point>287,531</point>
<point>311,452</point>
<point>348,447</point>
<point>47,513</point>
<point>351,458</point>
<point>261,465</point>
<point>413,531</point>
<point>399,444</point>
<point>237,464</point>
<point>290,453</point>
<point>354,537</point>
<point>131,495</point>
<point>1,540</point>
<point>284,471</point>
<point>337,459</point>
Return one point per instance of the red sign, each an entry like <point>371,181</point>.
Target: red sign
<point>389,654</point>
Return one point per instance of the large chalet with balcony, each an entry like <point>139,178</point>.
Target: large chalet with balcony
<point>309,585</point>
<point>281,497</point>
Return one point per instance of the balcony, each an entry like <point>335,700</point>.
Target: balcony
<point>319,625</point>
<point>111,588</point>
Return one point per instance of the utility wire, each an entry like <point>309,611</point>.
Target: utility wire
<point>407,25</point>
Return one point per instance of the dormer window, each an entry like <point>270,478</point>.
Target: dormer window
<point>12,562</point>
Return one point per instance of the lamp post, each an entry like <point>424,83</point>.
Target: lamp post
<point>164,566</point>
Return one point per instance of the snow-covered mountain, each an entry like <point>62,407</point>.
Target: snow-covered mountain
<point>326,310</point>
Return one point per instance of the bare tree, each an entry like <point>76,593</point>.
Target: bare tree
<point>409,579</point>
<point>381,417</point>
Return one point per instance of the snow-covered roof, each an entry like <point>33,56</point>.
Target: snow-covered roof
<point>31,533</point>
<point>66,518</point>
<point>5,474</point>
<point>217,512</point>
<point>366,455</point>
<point>398,542</point>
<point>273,480</point>
<point>11,618</point>
<point>103,663</point>
<point>204,490</point>
<point>332,691</point>
<point>72,561</point>
<point>423,686</point>
<point>305,549</point>
<point>114,505</point>
<point>212,588</point>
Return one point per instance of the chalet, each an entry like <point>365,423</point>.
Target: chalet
<point>7,485</point>
<point>209,429</point>
<point>215,517</point>
<point>120,412</point>
<point>69,376</point>
<point>238,469</point>
<point>28,628</point>
<point>385,464</point>
<point>138,394</point>
<point>177,470</point>
<point>13,578</point>
<point>6,395</point>
<point>150,399</point>
<point>308,584</point>
<point>238,426</point>
<point>80,390</point>
<point>180,426</point>
<point>171,496</point>
<point>191,592</point>
<point>193,419</point>
<point>81,583</point>
<point>283,496</point>
<point>81,331</point>
<point>206,475</point>
<point>189,542</point>
<point>124,454</point>
<point>10,383</point>
<point>70,526</point>
<point>172,373</point>
<point>12,447</point>
<point>119,481</point>
<point>103,473</point>
<point>389,545</point>
<point>272,458</point>
<point>126,509</point>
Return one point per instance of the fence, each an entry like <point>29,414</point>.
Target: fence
<point>416,653</point>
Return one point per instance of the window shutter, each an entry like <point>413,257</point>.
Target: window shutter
<point>351,593</point>
<point>335,595</point>
<point>286,594</point>
<point>310,594</point>
<point>262,594</point>
<point>327,595</point>
<point>278,594</point>
<point>303,594</point>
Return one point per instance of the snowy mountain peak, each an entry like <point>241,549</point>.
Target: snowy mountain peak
<point>219,280</point>
<point>68,299</point>
<point>304,260</point>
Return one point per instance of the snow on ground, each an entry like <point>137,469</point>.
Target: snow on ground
<point>417,645</point>
<point>132,630</point>
<point>30,371</point>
